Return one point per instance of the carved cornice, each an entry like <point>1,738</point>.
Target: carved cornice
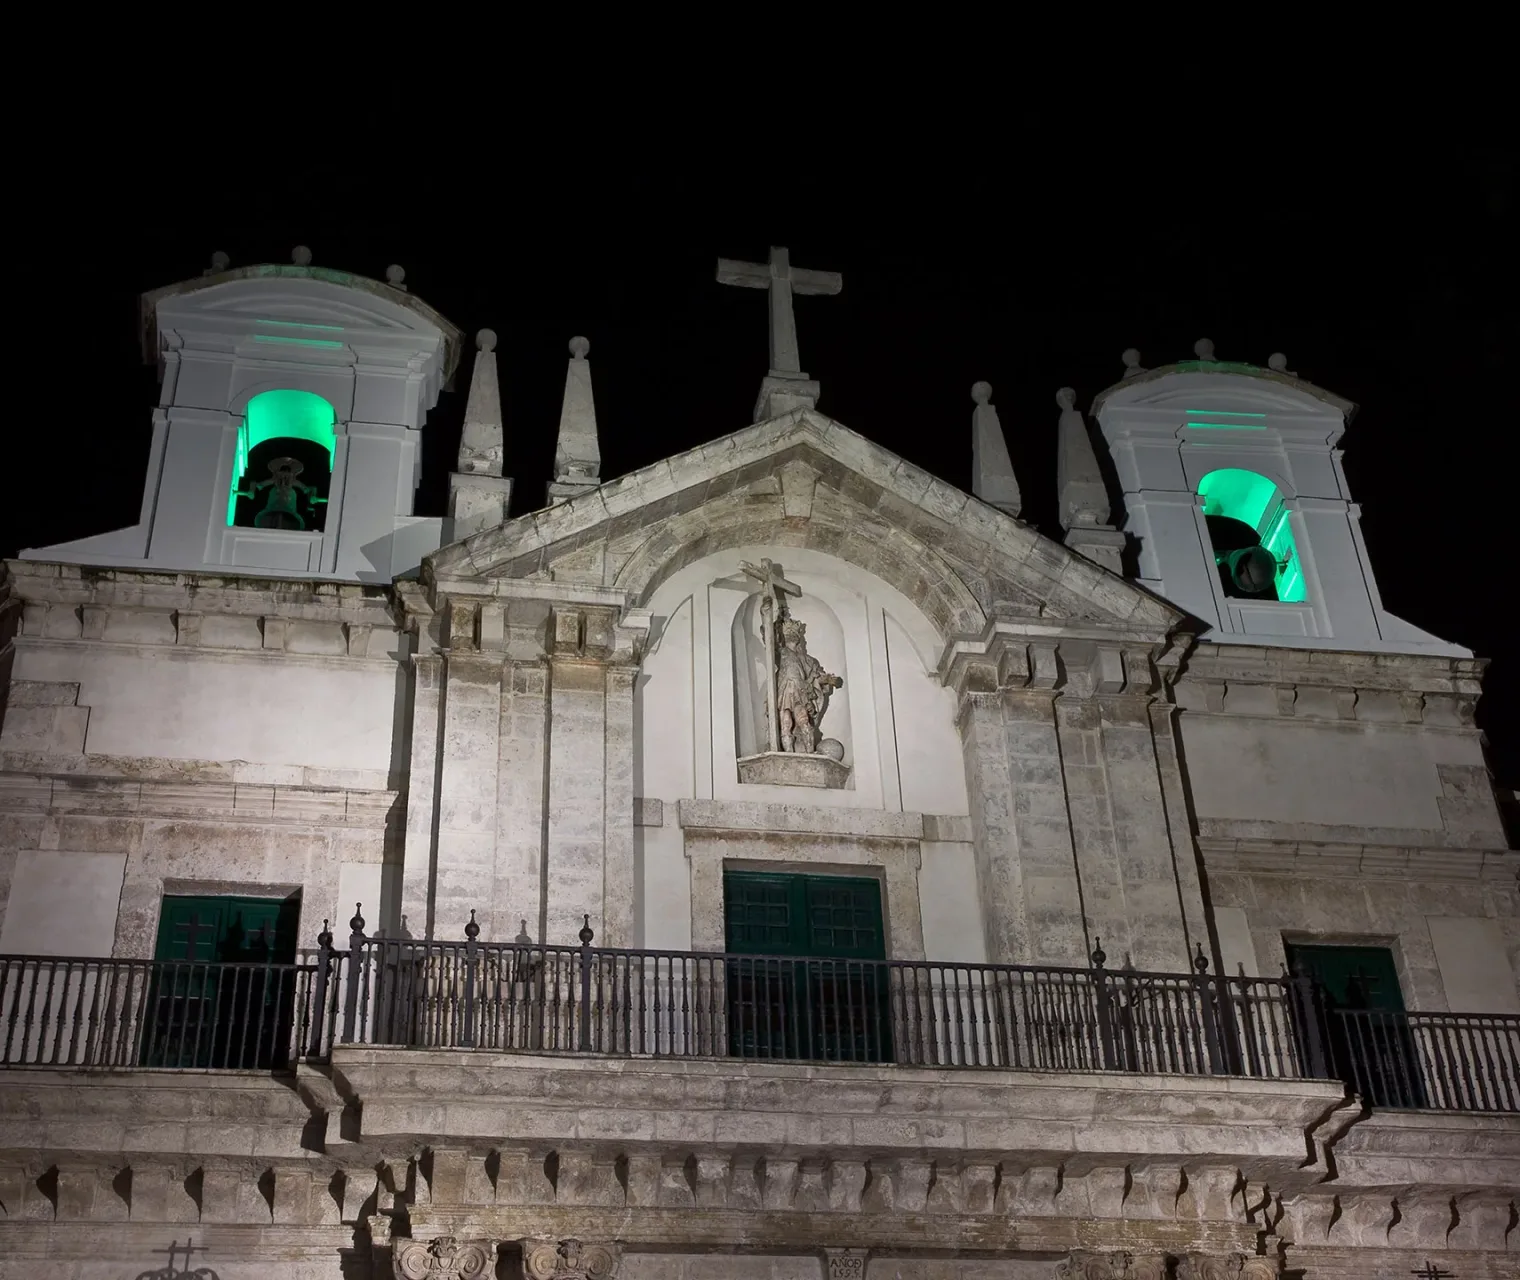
<point>1082,661</point>
<point>1308,684</point>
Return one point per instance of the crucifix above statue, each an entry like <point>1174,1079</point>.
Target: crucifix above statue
<point>786,386</point>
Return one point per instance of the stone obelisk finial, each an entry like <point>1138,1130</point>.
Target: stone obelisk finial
<point>992,478</point>
<point>578,454</point>
<point>1084,496</point>
<point>478,493</point>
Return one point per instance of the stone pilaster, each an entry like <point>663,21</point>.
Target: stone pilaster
<point>1019,818</point>
<point>589,816</point>
<point>1123,843</point>
<point>521,780</point>
<point>421,800</point>
<point>466,848</point>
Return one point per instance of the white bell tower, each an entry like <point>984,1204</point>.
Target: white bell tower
<point>287,437</point>
<point>1235,496</point>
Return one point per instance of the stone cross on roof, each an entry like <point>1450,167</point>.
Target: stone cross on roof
<point>786,387</point>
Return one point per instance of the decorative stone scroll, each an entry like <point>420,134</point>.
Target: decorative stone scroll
<point>1083,1265</point>
<point>568,1260</point>
<point>1233,1266</point>
<point>444,1258</point>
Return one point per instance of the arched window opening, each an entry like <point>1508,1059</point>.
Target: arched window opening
<point>283,467</point>
<point>1252,534</point>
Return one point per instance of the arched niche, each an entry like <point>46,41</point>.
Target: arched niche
<point>1245,508</point>
<point>279,425</point>
<point>825,641</point>
<point>892,714</point>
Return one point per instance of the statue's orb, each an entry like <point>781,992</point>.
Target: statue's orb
<point>831,747</point>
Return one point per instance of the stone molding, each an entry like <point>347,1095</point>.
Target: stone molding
<point>1357,861</point>
<point>1307,684</point>
<point>297,619</point>
<point>799,819</point>
<point>218,801</point>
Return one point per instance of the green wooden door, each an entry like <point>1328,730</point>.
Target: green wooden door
<point>1368,1038</point>
<point>821,993</point>
<point>216,998</point>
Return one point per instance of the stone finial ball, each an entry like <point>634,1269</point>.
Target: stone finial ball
<point>981,392</point>
<point>1277,362</point>
<point>1203,349</point>
<point>580,348</point>
<point>485,340</point>
<point>301,256</point>
<point>1066,397</point>
<point>395,274</point>
<point>220,261</point>
<point>1131,357</point>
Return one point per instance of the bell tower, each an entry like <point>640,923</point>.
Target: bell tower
<point>287,437</point>
<point>1238,506</point>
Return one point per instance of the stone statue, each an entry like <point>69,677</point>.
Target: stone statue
<point>281,508</point>
<point>803,689</point>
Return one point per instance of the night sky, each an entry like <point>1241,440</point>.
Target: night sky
<point>1381,278</point>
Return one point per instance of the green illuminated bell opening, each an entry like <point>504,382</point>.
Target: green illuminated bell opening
<point>283,465</point>
<point>1246,514</point>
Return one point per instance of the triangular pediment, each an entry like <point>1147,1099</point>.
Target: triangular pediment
<point>804,480</point>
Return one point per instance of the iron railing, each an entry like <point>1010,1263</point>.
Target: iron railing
<point>531,997</point>
<point>103,1013</point>
<point>1429,1061</point>
<point>526,996</point>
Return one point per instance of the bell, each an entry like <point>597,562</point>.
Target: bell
<point>1247,570</point>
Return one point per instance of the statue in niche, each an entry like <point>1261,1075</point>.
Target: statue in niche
<point>797,687</point>
<point>282,508</point>
<point>803,689</point>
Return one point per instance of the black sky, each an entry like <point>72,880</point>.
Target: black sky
<point>1386,278</point>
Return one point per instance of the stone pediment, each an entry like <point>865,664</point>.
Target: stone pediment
<point>803,480</point>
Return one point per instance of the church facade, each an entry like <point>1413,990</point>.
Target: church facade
<point>773,863</point>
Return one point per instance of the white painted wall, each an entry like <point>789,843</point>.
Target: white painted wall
<point>1361,775</point>
<point>200,706</point>
<point>949,904</point>
<point>1474,964</point>
<point>62,903</point>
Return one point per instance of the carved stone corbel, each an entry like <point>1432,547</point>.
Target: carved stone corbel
<point>444,1258</point>
<point>568,1260</point>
